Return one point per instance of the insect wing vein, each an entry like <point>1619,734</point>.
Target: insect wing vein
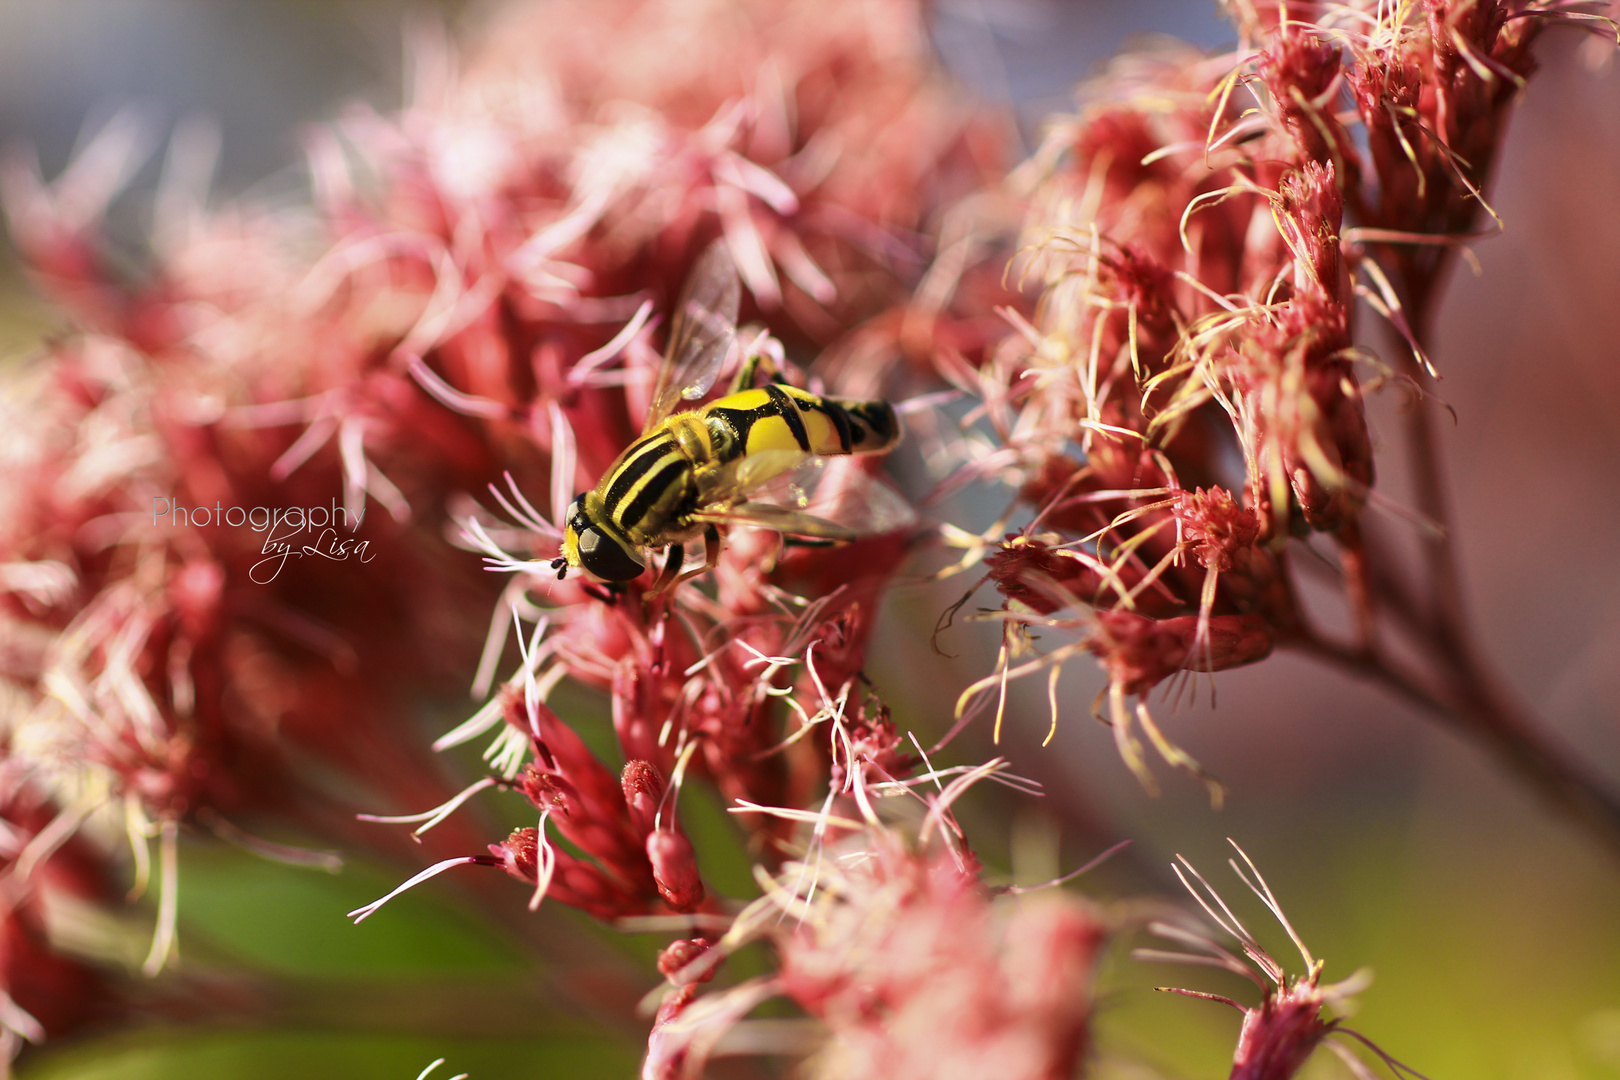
<point>804,495</point>
<point>702,336</point>
<point>778,518</point>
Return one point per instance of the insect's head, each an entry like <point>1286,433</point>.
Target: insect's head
<point>591,544</point>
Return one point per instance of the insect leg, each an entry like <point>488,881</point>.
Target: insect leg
<point>669,577</point>
<point>750,370</point>
<point>711,554</point>
<point>745,373</point>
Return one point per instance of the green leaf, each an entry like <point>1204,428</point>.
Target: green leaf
<point>290,920</point>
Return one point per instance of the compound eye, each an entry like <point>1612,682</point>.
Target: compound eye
<point>606,559</point>
<point>573,510</point>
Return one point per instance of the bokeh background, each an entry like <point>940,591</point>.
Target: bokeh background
<point>1493,931</point>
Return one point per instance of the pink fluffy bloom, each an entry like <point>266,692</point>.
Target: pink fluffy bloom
<point>541,207</point>
<point>910,964</point>
<point>1187,398</point>
<point>470,297</point>
<point>725,686</point>
<point>637,854</point>
<point>475,302</point>
<point>915,976</point>
<point>491,256</point>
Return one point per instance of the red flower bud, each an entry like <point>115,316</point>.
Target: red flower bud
<point>643,792</point>
<point>1032,572</point>
<point>1280,1033</point>
<point>1221,532</point>
<point>519,854</point>
<point>1310,209</point>
<point>1298,68</point>
<point>678,961</point>
<point>1140,653</point>
<point>674,868</point>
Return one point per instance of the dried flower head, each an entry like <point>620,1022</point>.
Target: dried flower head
<point>888,938</point>
<point>1186,401</point>
<point>1295,1014</point>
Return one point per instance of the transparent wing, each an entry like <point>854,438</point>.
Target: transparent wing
<point>803,495</point>
<point>701,337</point>
<point>739,480</point>
<point>841,490</point>
<point>779,519</point>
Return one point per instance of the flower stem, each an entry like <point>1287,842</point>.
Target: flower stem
<point>1461,690</point>
<point>1473,705</point>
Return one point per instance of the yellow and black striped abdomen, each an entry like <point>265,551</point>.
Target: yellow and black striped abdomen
<point>779,417</point>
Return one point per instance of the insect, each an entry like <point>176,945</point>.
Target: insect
<point>691,473</point>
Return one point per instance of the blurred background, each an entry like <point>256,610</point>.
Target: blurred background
<point>1493,931</point>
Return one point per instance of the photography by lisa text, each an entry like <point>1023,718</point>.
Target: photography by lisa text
<point>283,527</point>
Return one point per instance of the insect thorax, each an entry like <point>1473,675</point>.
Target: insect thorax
<point>652,485</point>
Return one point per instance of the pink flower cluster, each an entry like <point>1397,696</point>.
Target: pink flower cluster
<point>475,303</point>
<point>708,686</point>
<point>1188,398</point>
<point>470,297</point>
<point>890,939</point>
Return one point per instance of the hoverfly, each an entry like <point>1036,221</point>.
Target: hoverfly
<point>691,473</point>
